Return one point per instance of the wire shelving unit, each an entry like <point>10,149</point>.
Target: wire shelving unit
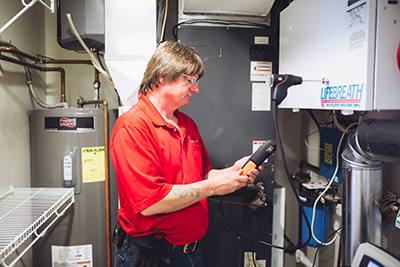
<point>25,211</point>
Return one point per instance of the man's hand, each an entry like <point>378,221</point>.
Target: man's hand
<point>252,173</point>
<point>229,180</point>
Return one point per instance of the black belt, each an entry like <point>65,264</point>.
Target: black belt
<point>157,241</point>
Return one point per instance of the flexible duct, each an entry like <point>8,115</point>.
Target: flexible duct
<point>374,141</point>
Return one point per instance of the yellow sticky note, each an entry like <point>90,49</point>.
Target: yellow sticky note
<point>93,164</point>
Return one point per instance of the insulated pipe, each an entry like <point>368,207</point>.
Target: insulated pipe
<point>81,103</point>
<point>379,139</point>
<point>374,142</point>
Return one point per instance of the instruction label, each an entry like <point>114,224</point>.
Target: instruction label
<point>93,164</point>
<point>71,256</point>
<point>259,71</point>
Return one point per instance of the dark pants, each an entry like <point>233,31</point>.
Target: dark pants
<point>125,254</point>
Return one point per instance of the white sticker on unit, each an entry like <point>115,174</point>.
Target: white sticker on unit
<point>261,97</point>
<point>71,256</point>
<point>261,40</point>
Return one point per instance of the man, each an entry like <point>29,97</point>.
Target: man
<point>163,170</point>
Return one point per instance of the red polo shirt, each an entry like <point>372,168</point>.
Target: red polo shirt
<point>150,156</point>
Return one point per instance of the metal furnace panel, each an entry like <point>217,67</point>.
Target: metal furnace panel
<point>229,124</point>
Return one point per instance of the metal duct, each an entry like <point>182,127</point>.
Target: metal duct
<point>130,40</point>
<point>362,189</point>
<point>374,141</point>
<point>379,139</point>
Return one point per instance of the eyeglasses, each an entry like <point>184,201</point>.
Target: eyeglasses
<point>193,79</point>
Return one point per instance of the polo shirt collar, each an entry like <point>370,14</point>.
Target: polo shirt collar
<point>151,111</point>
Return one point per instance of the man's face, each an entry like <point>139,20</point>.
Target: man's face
<point>178,92</point>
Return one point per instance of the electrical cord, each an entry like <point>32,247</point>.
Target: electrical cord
<point>327,187</point>
<point>115,89</point>
<point>306,143</point>
<point>286,249</point>
<point>390,203</point>
<point>300,204</point>
<point>252,241</point>
<point>164,22</point>
<point>161,20</point>
<point>243,233</point>
<point>320,246</point>
<point>94,60</point>
<point>312,115</point>
<point>337,124</point>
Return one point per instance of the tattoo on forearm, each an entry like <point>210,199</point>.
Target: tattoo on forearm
<point>188,191</point>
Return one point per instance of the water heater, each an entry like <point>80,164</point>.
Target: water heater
<point>67,150</point>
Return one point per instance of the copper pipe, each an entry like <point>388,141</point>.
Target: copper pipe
<point>62,72</point>
<point>22,63</point>
<point>16,52</point>
<point>107,183</point>
<point>81,103</point>
<point>96,75</point>
<point>39,59</point>
<point>96,85</point>
<point>65,61</point>
<point>30,65</point>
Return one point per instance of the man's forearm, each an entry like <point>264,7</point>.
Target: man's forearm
<point>180,197</point>
<point>216,182</point>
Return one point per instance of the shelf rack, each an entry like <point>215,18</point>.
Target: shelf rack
<point>23,211</point>
<point>27,6</point>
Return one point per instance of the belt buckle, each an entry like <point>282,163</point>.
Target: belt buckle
<point>189,248</point>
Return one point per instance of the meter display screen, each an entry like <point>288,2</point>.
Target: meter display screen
<point>373,264</point>
<point>369,262</point>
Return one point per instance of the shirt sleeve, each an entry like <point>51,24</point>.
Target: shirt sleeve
<point>141,180</point>
<point>206,159</point>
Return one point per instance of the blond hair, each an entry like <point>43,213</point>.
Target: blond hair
<point>170,60</point>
